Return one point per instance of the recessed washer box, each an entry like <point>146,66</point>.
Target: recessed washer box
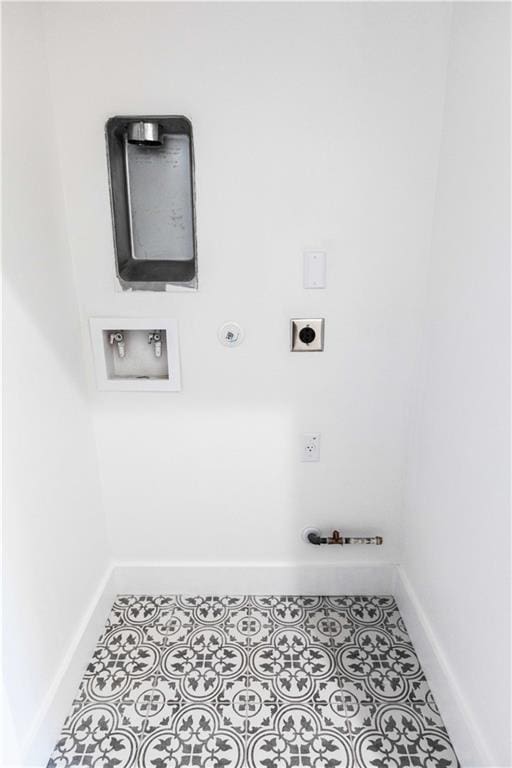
<point>132,355</point>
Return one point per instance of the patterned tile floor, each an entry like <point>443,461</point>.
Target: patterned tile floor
<point>254,682</point>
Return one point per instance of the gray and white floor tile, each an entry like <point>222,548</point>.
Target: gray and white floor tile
<point>254,682</point>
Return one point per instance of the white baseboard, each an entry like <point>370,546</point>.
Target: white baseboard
<point>47,724</point>
<point>257,578</point>
<point>469,743</point>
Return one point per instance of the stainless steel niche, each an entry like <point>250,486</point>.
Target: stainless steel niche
<point>151,175</point>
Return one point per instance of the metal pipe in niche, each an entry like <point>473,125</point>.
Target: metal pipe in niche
<point>144,133</point>
<point>336,538</point>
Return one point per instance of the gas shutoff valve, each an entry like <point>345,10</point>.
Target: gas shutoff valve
<point>156,338</point>
<point>118,338</point>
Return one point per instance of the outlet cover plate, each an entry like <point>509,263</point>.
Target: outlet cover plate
<point>315,325</point>
<point>314,269</point>
<point>310,446</point>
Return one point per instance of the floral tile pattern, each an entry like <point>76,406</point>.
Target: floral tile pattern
<point>254,682</point>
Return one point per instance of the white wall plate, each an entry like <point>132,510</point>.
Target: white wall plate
<point>314,267</point>
<point>138,364</point>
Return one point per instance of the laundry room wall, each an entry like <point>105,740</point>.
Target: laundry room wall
<point>456,554</point>
<point>54,536</point>
<point>315,126</point>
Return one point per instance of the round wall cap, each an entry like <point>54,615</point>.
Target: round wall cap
<point>231,334</point>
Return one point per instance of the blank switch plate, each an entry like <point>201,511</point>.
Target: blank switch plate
<point>315,269</point>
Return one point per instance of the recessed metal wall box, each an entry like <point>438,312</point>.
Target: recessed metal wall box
<point>132,354</point>
<point>151,176</point>
<point>307,335</point>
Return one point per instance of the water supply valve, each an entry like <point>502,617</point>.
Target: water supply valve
<point>312,536</point>
<point>116,337</point>
<point>156,338</point>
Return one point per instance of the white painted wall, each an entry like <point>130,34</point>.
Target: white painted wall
<point>457,536</point>
<point>316,125</point>
<point>54,539</point>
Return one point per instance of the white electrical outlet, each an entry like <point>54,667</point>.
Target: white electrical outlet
<point>310,446</point>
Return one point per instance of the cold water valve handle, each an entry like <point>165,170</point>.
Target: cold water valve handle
<point>312,535</point>
<point>117,337</point>
<point>156,339</point>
